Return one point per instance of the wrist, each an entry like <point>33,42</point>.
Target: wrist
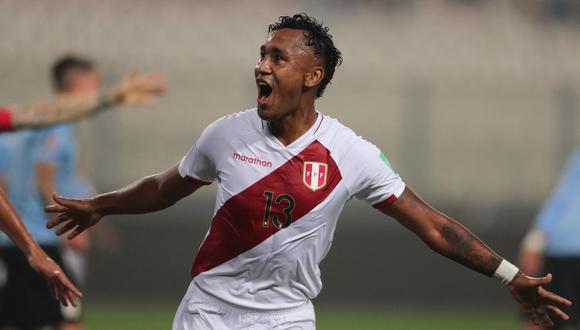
<point>111,97</point>
<point>102,204</point>
<point>506,272</point>
<point>95,205</point>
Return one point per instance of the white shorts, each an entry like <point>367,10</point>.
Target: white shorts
<point>199,311</point>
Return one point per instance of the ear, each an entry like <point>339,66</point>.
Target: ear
<point>314,76</point>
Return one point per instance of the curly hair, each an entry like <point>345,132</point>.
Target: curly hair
<point>318,38</point>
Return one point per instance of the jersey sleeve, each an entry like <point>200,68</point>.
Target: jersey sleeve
<point>375,180</point>
<point>5,120</point>
<point>200,161</point>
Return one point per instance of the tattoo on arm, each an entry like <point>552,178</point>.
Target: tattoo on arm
<point>60,109</point>
<point>442,234</point>
<point>464,247</point>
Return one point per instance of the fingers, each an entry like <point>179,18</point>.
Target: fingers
<point>66,202</point>
<point>55,209</point>
<point>532,315</point>
<point>77,232</point>
<point>558,312</point>
<point>151,83</point>
<point>71,287</point>
<point>553,298</point>
<point>61,218</point>
<point>543,316</point>
<point>541,280</point>
<point>539,316</point>
<point>67,227</point>
<point>68,292</point>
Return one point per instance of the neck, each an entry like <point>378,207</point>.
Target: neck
<point>292,126</point>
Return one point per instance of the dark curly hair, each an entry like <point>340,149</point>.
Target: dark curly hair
<point>318,38</point>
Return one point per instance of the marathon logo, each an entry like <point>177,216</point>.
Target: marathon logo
<point>252,160</point>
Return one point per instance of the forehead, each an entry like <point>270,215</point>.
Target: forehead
<point>287,39</point>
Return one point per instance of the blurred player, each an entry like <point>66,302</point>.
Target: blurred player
<point>133,90</point>
<point>553,243</point>
<point>58,167</point>
<point>25,302</point>
<point>285,172</point>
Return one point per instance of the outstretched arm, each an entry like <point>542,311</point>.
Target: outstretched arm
<point>60,286</point>
<point>135,89</point>
<point>149,194</point>
<point>451,239</point>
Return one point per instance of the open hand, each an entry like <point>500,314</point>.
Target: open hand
<point>536,300</point>
<point>59,285</point>
<point>74,214</point>
<point>138,89</point>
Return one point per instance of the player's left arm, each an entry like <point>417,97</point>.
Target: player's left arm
<point>452,240</point>
<point>135,89</point>
<point>59,284</point>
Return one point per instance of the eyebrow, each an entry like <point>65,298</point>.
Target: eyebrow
<point>273,49</point>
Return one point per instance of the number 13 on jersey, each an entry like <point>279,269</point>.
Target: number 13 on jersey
<point>284,200</point>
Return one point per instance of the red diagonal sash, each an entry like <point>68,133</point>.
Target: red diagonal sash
<point>239,225</point>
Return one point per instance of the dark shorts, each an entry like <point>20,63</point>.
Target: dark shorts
<point>566,283</point>
<point>25,302</point>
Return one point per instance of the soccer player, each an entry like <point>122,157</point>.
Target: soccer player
<point>284,173</point>
<point>134,90</point>
<point>553,242</point>
<point>57,168</point>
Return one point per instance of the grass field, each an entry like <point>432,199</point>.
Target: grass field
<point>101,317</point>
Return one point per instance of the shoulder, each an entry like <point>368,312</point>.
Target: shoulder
<point>228,128</point>
<point>246,117</point>
<point>341,139</point>
<point>233,123</point>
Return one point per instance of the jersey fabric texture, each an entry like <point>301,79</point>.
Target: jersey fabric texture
<point>277,206</point>
<point>559,219</point>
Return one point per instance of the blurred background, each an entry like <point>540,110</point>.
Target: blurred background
<point>476,103</point>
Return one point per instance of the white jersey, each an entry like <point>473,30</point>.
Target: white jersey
<point>277,206</point>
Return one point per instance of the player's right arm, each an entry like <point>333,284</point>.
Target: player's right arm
<point>152,193</point>
<point>135,89</point>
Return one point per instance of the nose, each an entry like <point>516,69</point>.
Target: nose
<point>263,67</point>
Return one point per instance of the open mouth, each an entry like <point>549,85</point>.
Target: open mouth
<point>264,90</point>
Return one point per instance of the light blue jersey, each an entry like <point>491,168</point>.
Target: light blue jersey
<point>22,152</point>
<point>18,152</point>
<point>60,150</point>
<point>559,218</point>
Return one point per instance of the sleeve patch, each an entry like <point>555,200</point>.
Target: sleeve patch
<point>386,161</point>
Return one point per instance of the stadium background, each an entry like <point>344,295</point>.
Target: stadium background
<point>475,102</point>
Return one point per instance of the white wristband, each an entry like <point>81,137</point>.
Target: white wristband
<point>506,272</point>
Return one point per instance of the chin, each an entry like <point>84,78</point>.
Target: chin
<point>265,113</point>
